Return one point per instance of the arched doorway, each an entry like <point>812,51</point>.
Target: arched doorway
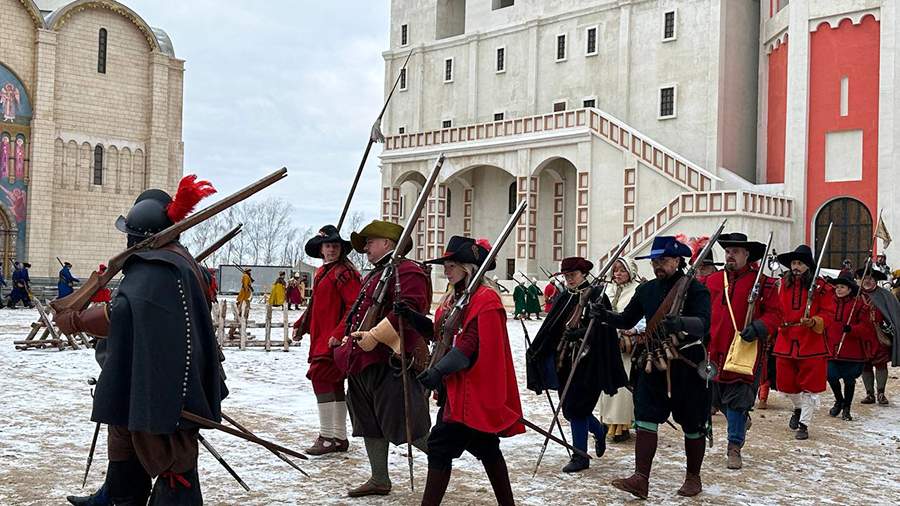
<point>851,235</point>
<point>8,233</point>
<point>557,188</point>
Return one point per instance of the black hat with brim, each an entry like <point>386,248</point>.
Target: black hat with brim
<point>803,253</point>
<point>327,234</point>
<point>847,280</point>
<point>464,250</point>
<point>739,240</point>
<point>875,274</point>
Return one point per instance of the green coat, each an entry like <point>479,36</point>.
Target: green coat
<point>532,299</point>
<point>519,297</point>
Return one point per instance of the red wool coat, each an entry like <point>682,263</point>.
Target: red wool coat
<point>794,340</point>
<point>485,396</point>
<point>335,287</point>
<point>549,292</point>
<point>416,292</point>
<point>722,329</point>
<point>860,344</point>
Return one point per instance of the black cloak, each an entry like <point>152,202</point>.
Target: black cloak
<point>600,371</point>
<point>162,354</point>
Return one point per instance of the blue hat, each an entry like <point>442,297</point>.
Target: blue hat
<point>666,246</point>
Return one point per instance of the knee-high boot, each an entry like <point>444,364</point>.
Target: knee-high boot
<point>498,475</point>
<point>435,486</point>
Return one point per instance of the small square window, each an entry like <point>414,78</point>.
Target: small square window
<point>498,116</point>
<point>590,103</point>
<point>667,105</point>
<point>448,70</point>
<point>559,106</point>
<point>561,47</point>
<point>403,79</point>
<point>669,21</point>
<point>401,130</point>
<point>501,59</point>
<point>591,37</point>
<point>404,35</point>
<point>446,123</point>
<point>501,4</point>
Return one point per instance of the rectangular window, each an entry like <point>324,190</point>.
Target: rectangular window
<point>669,20</point>
<point>448,70</point>
<point>101,52</point>
<point>667,106</point>
<point>559,106</point>
<point>590,103</point>
<point>98,165</point>
<point>501,59</point>
<point>591,37</point>
<point>500,4</point>
<point>845,96</point>
<point>401,130</point>
<point>404,35</point>
<point>403,79</point>
<point>446,123</point>
<point>561,47</point>
<point>498,116</point>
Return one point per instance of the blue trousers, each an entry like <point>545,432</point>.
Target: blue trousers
<point>580,428</point>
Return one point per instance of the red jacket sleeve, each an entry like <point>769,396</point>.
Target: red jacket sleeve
<point>769,308</point>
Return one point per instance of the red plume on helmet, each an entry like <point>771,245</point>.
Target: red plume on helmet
<point>484,243</point>
<point>190,192</point>
<point>696,244</point>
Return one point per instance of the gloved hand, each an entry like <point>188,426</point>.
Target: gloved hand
<point>66,322</point>
<point>756,329</point>
<point>402,309</point>
<point>847,329</point>
<point>422,323</point>
<point>599,312</point>
<point>807,322</point>
<point>573,335</point>
<point>430,378</point>
<point>673,324</point>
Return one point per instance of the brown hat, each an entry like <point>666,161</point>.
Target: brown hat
<point>572,264</point>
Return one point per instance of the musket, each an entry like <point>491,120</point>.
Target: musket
<point>209,424</point>
<point>756,291</point>
<point>859,292</point>
<point>549,399</point>
<point>80,298</point>
<point>532,283</point>
<point>582,351</point>
<point>240,427</point>
<point>375,135</point>
<point>500,287</point>
<point>812,286</point>
<point>60,262</point>
<point>218,244</point>
<point>452,322</point>
<point>209,447</point>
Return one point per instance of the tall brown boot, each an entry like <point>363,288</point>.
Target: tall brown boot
<point>498,474</point>
<point>638,484</point>
<point>435,486</point>
<point>694,449</point>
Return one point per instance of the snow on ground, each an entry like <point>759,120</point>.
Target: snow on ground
<point>45,435</point>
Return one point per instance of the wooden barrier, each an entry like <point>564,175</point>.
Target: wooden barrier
<point>233,332</point>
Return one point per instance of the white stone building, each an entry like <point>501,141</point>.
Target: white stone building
<point>92,103</point>
<point>640,117</point>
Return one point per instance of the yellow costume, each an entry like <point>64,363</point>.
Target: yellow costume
<point>246,289</point>
<point>276,298</point>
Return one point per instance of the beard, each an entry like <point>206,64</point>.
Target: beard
<point>804,279</point>
<point>660,273</point>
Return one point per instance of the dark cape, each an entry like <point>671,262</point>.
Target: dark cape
<point>161,353</point>
<point>600,371</point>
<point>889,306</point>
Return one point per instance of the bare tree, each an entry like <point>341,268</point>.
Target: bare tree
<point>356,223</point>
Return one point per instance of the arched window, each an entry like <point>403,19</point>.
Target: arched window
<point>98,165</point>
<point>851,235</point>
<point>513,200</point>
<point>449,202</point>
<point>101,52</point>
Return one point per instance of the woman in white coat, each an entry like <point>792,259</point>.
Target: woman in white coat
<point>617,411</point>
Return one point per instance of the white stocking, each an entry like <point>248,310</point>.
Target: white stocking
<point>339,420</point>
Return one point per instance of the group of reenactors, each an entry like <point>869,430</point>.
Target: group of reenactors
<point>595,347</point>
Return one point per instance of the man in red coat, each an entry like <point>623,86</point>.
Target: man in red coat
<point>475,380</point>
<point>734,393</point>
<point>369,356</point>
<point>103,294</point>
<point>801,356</point>
<point>851,342</point>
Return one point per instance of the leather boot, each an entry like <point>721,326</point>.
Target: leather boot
<point>694,449</point>
<point>868,399</point>
<point>129,483</point>
<point>794,422</point>
<point>435,486</point>
<point>802,432</point>
<point>734,456</point>
<point>836,409</point>
<point>638,484</point>
<point>576,463</point>
<point>177,489</point>
<point>498,475</point>
<point>98,498</point>
<point>882,399</point>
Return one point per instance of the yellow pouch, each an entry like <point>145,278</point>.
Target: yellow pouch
<point>741,358</point>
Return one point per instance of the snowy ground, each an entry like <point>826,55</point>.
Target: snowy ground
<point>45,434</point>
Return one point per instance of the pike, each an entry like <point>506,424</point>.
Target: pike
<point>581,349</point>
<point>859,292</point>
<point>380,293</point>
<point>812,286</point>
<point>240,427</point>
<point>209,447</point>
<point>218,244</point>
<point>209,424</point>
<point>375,135</point>
<point>80,298</point>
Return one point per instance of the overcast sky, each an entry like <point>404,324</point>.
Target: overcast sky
<point>281,83</point>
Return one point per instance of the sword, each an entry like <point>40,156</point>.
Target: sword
<point>218,457</point>
<point>90,458</point>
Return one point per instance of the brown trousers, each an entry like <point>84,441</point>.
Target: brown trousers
<point>157,453</point>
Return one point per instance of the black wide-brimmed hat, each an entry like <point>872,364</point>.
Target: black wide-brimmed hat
<point>711,260</point>
<point>572,264</point>
<point>876,274</point>
<point>739,240</point>
<point>327,234</point>
<point>847,280</point>
<point>802,253</point>
<point>465,250</point>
